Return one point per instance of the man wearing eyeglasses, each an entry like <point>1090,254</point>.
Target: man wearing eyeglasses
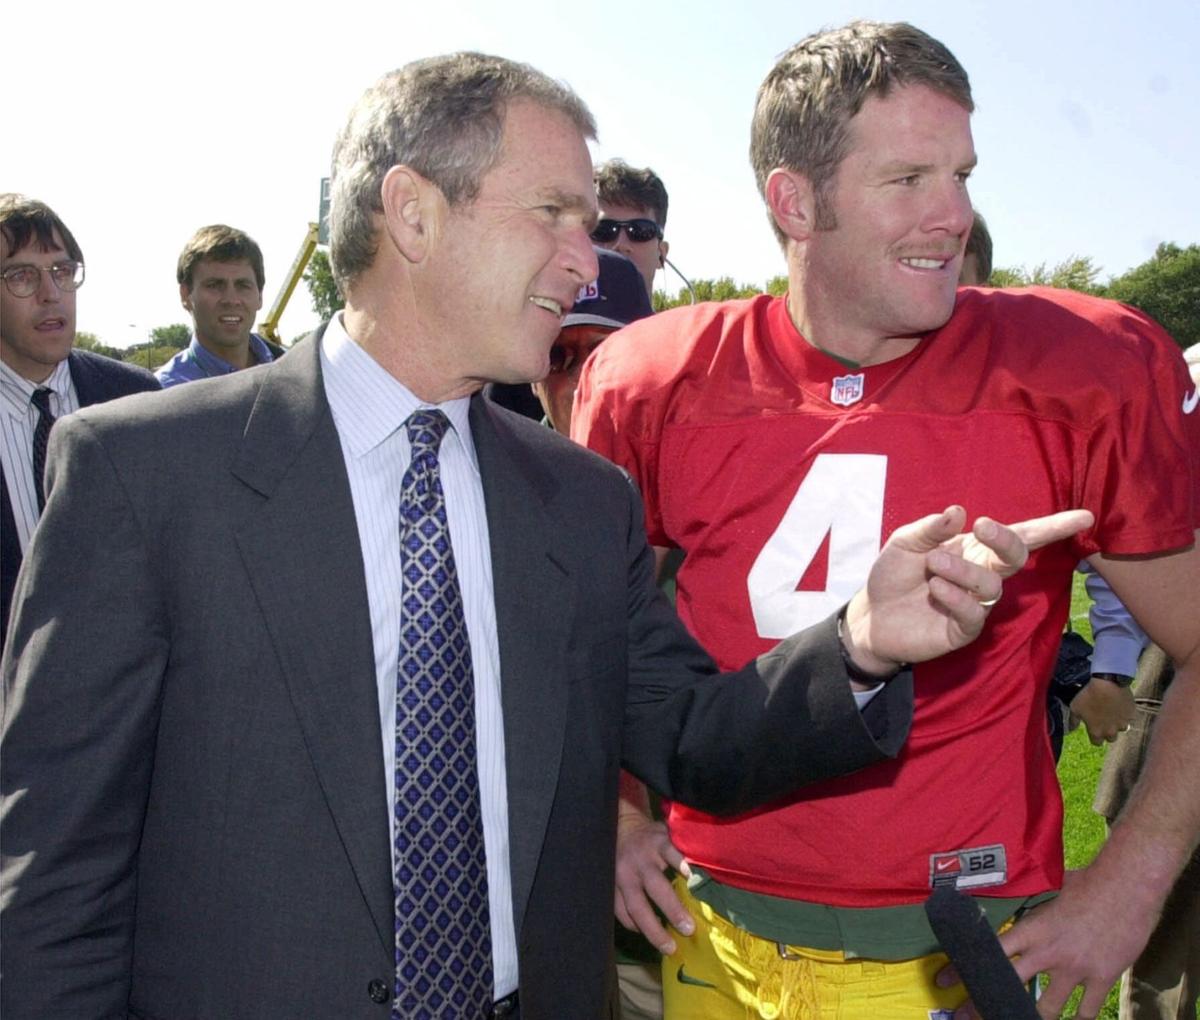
<point>41,377</point>
<point>633,214</point>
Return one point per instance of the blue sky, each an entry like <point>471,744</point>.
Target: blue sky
<point>140,122</point>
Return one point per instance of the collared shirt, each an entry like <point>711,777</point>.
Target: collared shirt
<point>1117,639</point>
<point>370,408</point>
<point>197,362</point>
<point>18,419</point>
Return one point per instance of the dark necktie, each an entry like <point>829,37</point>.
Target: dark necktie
<point>443,938</point>
<point>41,436</point>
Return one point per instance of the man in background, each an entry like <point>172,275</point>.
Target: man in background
<point>614,299</point>
<point>633,216</point>
<point>1164,981</point>
<point>977,256</point>
<point>42,378</point>
<point>221,279</point>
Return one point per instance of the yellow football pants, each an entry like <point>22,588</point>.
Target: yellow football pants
<point>724,973</point>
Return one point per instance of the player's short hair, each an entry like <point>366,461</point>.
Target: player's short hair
<point>219,243</point>
<point>979,244</point>
<point>444,117</point>
<point>24,220</point>
<point>618,183</point>
<point>805,104</point>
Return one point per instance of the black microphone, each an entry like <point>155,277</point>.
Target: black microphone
<point>968,939</point>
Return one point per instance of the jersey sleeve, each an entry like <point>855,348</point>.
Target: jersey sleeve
<point>613,419</point>
<point>1142,478</point>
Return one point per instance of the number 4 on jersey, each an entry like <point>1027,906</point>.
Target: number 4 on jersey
<point>842,497</point>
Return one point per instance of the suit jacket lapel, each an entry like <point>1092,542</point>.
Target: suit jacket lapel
<point>303,556</point>
<point>534,597</point>
<point>10,555</point>
<point>90,385</point>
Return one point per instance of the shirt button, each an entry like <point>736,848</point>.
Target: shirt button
<point>378,990</point>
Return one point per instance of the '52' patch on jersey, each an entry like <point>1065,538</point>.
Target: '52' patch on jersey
<point>969,869</point>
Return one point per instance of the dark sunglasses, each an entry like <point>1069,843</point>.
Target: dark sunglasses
<point>638,230</point>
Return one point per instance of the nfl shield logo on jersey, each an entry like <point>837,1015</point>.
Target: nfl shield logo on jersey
<point>847,389</point>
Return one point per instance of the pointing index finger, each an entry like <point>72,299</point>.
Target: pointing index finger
<point>1039,531</point>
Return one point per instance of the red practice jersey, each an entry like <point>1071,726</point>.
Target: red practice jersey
<point>780,472</point>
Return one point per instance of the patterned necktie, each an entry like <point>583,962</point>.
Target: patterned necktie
<point>443,938</point>
<point>41,436</point>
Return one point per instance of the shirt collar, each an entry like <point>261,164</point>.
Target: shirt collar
<point>369,404</point>
<point>212,364</point>
<point>16,391</point>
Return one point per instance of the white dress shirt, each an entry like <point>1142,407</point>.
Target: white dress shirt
<point>370,408</point>
<point>18,419</point>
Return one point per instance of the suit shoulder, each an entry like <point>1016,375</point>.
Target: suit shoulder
<point>116,377</point>
<point>563,459</point>
<point>195,408</point>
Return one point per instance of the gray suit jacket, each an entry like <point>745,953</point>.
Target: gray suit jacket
<point>96,380</point>
<point>194,820</point>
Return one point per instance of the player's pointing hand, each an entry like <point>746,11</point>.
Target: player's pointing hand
<point>931,587</point>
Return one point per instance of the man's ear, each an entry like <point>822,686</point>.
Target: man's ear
<point>792,201</point>
<point>663,248</point>
<point>412,209</point>
<point>185,296</point>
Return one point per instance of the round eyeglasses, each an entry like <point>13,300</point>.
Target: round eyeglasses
<point>24,281</point>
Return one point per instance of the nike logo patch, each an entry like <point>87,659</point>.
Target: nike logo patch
<point>1190,401</point>
<point>687,979</point>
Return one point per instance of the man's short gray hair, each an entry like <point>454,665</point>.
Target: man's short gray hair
<point>444,117</point>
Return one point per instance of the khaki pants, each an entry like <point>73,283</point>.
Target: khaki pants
<point>640,985</point>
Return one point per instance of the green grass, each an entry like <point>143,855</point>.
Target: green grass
<point>1083,829</point>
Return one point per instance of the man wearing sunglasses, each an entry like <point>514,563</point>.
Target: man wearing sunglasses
<point>633,214</point>
<point>41,377</point>
<point>615,299</point>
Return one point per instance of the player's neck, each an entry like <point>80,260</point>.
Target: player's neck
<point>838,337</point>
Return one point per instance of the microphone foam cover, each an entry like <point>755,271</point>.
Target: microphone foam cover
<point>973,948</point>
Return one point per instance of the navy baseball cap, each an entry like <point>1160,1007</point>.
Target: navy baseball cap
<point>615,298</point>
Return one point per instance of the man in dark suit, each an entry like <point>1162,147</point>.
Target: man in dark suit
<point>41,265</point>
<point>245,772</point>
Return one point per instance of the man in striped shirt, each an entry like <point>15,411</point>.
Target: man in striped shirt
<point>41,377</point>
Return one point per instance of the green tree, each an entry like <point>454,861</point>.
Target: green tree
<point>1167,288</point>
<point>177,335</point>
<point>90,342</point>
<point>1078,272</point>
<point>721,289</point>
<point>326,299</point>
<point>150,355</point>
<point>1015,277</point>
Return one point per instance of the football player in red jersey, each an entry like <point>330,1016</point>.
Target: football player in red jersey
<point>779,441</point>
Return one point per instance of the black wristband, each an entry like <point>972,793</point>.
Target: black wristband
<point>1120,679</point>
<point>855,672</point>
